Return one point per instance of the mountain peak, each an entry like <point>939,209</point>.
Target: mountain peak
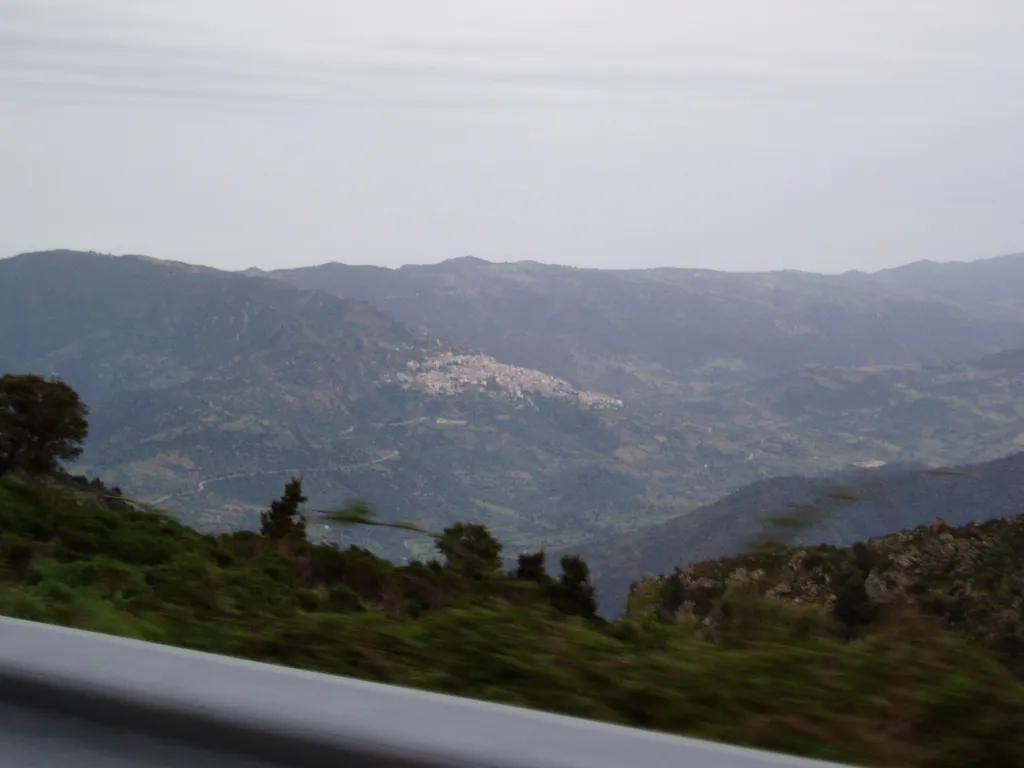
<point>467,261</point>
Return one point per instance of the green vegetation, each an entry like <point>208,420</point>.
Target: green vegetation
<point>719,651</point>
<point>968,578</point>
<point>41,423</point>
<point>775,675</point>
<point>283,520</point>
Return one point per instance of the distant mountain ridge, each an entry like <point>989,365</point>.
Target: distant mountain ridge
<point>636,332</point>
<point>988,286</point>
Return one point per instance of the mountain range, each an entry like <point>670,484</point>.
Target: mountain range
<point>637,332</point>
<point>563,407</point>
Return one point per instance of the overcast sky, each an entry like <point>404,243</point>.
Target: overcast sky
<point>807,134</point>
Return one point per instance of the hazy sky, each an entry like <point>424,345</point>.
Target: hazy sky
<point>810,134</point>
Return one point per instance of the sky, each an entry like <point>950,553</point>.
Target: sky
<point>822,135</point>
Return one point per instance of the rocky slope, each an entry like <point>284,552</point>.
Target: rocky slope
<point>837,510</point>
<point>969,578</point>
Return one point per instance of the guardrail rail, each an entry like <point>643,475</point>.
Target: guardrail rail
<point>87,700</point>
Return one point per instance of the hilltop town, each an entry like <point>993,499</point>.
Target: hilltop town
<point>449,373</point>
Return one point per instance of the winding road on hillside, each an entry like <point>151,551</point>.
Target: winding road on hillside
<point>200,485</point>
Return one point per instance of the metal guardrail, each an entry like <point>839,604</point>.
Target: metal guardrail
<point>86,700</point>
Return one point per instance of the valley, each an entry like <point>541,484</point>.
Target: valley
<point>564,408</point>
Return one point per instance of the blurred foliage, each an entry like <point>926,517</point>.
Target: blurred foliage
<point>767,673</point>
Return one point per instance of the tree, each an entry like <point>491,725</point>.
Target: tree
<point>470,549</point>
<point>282,520</point>
<point>531,567</point>
<point>42,422</point>
<point>574,594</point>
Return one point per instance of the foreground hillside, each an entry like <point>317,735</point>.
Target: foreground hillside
<point>636,332</point>
<point>902,691</point>
<point>837,510</point>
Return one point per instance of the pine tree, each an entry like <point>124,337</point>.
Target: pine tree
<point>470,549</point>
<point>574,594</point>
<point>282,520</point>
<point>531,567</point>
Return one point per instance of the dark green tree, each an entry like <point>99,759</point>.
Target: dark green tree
<point>42,422</point>
<point>470,549</point>
<point>531,567</point>
<point>574,594</point>
<point>283,520</point>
